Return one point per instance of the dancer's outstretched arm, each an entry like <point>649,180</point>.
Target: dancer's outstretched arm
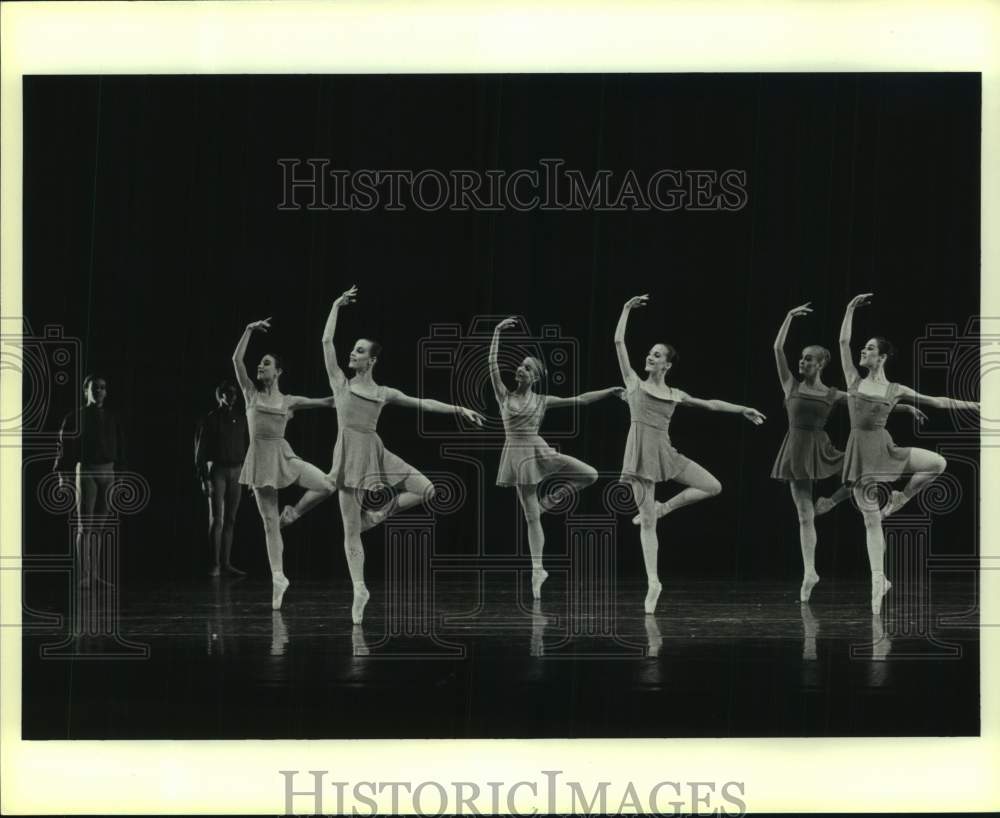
<point>628,374</point>
<point>295,402</point>
<point>851,374</point>
<point>919,416</point>
<point>427,405</point>
<point>333,370</point>
<point>938,403</point>
<point>713,405</point>
<point>552,402</point>
<point>241,350</point>
<point>784,372</point>
<point>494,355</point>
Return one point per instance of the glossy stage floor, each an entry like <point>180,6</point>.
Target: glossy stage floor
<point>469,655</point>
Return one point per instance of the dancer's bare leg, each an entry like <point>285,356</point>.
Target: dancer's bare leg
<point>867,499</point>
<point>802,497</point>
<point>825,504</point>
<point>417,489</point>
<point>267,504</point>
<point>216,507</point>
<point>574,477</point>
<point>926,467</point>
<point>642,490</point>
<point>528,496</point>
<point>318,488</point>
<point>350,512</point>
<point>233,493</point>
<point>701,485</point>
<point>86,500</point>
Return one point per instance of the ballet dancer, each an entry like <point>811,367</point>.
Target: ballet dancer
<point>806,454</point>
<point>220,447</point>
<point>270,462</point>
<point>90,458</point>
<point>871,456</point>
<point>360,460</point>
<point>649,456</point>
<point>526,459</point>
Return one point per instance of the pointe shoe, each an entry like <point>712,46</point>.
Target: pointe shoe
<point>652,595</point>
<point>896,502</point>
<point>879,590</point>
<point>278,588</point>
<point>823,505</point>
<point>552,501</point>
<point>369,520</point>
<point>637,519</point>
<point>361,596</point>
<point>537,578</point>
<point>808,583</point>
<point>288,516</point>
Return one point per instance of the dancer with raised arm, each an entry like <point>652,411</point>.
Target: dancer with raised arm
<point>526,459</point>
<point>360,460</point>
<point>649,456</point>
<point>871,456</point>
<point>270,462</point>
<point>806,454</point>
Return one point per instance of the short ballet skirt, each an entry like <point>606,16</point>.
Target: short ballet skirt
<point>269,463</point>
<point>872,455</point>
<point>649,455</point>
<point>361,461</point>
<point>807,454</point>
<point>527,461</point>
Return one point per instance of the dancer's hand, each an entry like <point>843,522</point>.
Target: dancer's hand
<point>919,416</point>
<point>260,326</point>
<point>798,312</point>
<point>637,301</point>
<point>507,323</point>
<point>755,417</point>
<point>616,392</point>
<point>472,416</point>
<point>862,300</point>
<point>347,297</point>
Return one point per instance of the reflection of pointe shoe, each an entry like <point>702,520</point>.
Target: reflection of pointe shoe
<point>84,581</point>
<point>359,647</point>
<point>234,571</point>
<point>823,505</point>
<point>896,502</point>
<point>358,606</point>
<point>278,587</point>
<point>538,576</point>
<point>879,589</point>
<point>654,638</point>
<point>809,582</point>
<point>652,595</point>
<point>288,516</point>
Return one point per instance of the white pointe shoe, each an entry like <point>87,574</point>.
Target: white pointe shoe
<point>538,576</point>
<point>879,590</point>
<point>823,505</point>
<point>809,581</point>
<point>896,502</point>
<point>637,519</point>
<point>652,596</point>
<point>361,596</point>
<point>288,516</point>
<point>278,588</point>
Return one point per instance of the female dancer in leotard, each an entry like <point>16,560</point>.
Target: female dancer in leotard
<point>270,462</point>
<point>526,459</point>
<point>360,461</point>
<point>806,453</point>
<point>649,456</point>
<point>871,456</point>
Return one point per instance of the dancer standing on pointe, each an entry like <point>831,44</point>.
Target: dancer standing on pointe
<point>270,462</point>
<point>220,447</point>
<point>806,453</point>
<point>871,456</point>
<point>526,459</point>
<point>649,456</point>
<point>360,460</point>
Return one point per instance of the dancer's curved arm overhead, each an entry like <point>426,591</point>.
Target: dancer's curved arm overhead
<point>628,374</point>
<point>499,390</point>
<point>242,378</point>
<point>784,371</point>
<point>851,374</point>
<point>333,370</point>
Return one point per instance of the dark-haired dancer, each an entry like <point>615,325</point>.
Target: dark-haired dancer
<point>360,460</point>
<point>649,456</point>
<point>871,455</point>
<point>270,462</point>
<point>90,458</point>
<point>526,459</point>
<point>220,447</point>
<point>806,453</point>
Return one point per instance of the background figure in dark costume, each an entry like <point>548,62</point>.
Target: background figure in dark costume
<point>220,447</point>
<point>90,459</point>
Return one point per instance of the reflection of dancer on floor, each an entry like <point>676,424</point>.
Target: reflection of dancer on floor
<point>90,458</point>
<point>220,447</point>
<point>649,456</point>
<point>871,456</point>
<point>526,459</point>
<point>360,461</point>
<point>270,462</point>
<point>806,453</point>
